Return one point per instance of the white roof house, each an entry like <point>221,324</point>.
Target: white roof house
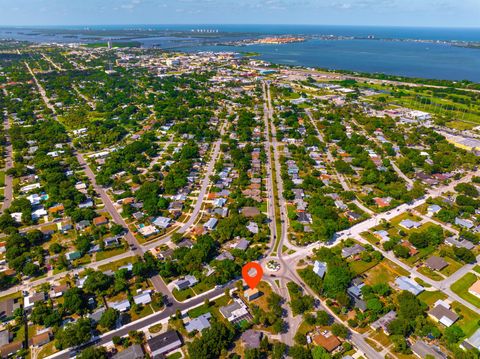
<point>320,268</point>
<point>147,231</point>
<point>162,222</point>
<point>408,284</point>
<point>409,224</point>
<point>200,323</point>
<point>211,224</point>
<point>142,298</point>
<point>121,306</point>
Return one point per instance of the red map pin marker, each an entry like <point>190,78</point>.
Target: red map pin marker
<point>252,273</point>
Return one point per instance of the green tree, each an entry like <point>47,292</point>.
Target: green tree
<point>73,334</point>
<point>109,318</point>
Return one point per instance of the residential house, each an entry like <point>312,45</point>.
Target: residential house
<point>235,312</point>
<point>408,284</point>
<point>10,349</point>
<point>251,294</point>
<point>352,251</point>
<point>211,224</point>
<point>251,339</point>
<point>163,344</point>
<point>382,235</point>
<point>64,226</point>
<point>355,293</point>
<point>198,324</point>
<point>442,313</point>
<point>121,306</point>
<point>100,221</point>
<point>8,307</point>
<point>327,341</point>
<point>424,350</point>
<point>74,255</point>
<point>383,322</point>
<point>253,227</point>
<point>147,231</point>
<point>80,226</point>
<point>320,268</point>
<point>242,244</point>
<point>29,301</point>
<point>433,210</point>
<point>161,222</point>
<point>463,243</point>
<point>475,289</point>
<point>187,282</point>
<point>436,263</point>
<point>465,223</point>
<point>58,290</point>
<point>409,224</point>
<point>133,352</point>
<point>143,298</point>
<point>42,339</point>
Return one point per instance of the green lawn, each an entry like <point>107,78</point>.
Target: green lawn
<point>182,295</point>
<point>176,355</point>
<point>198,311</point>
<point>461,286</point>
<point>477,269</point>
<point>109,253</point>
<point>360,267</point>
<point>431,297</point>
<point>452,267</point>
<point>2,178</point>
<point>115,265</point>
<point>430,273</point>
<point>469,321</point>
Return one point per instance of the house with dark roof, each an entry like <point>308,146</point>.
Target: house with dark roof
<point>235,312</point>
<point>163,343</point>
<point>42,338</point>
<point>436,263</point>
<point>133,352</point>
<point>355,293</point>
<point>188,281</point>
<point>423,350</point>
<point>383,322</point>
<point>251,339</point>
<point>352,251</point>
<point>9,349</point>
<point>7,307</point>
<point>442,313</point>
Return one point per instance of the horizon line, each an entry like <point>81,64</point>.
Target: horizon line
<point>246,24</point>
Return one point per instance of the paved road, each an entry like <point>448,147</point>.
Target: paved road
<point>8,191</point>
<point>152,319</point>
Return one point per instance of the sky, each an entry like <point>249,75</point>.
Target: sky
<point>430,13</point>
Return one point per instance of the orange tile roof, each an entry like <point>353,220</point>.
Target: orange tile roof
<point>329,343</point>
<point>475,288</point>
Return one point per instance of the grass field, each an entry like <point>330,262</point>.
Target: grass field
<point>384,272</point>
<point>109,253</point>
<point>431,297</point>
<point>469,322</point>
<point>115,265</point>
<point>360,267</point>
<point>461,286</point>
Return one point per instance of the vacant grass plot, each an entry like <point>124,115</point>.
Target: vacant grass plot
<point>469,321</point>
<point>384,272</point>
<point>461,286</point>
